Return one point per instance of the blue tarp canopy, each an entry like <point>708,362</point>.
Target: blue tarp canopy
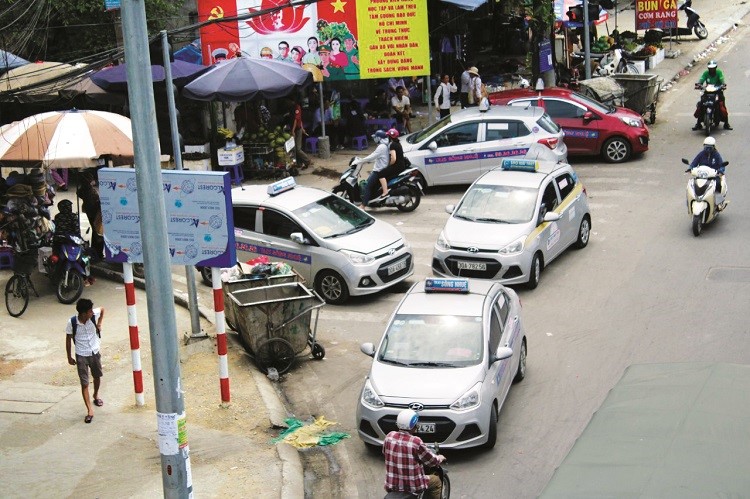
<point>9,61</point>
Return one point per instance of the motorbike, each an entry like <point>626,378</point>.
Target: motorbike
<point>440,470</point>
<point>404,190</point>
<point>68,267</point>
<point>694,24</point>
<point>710,106</point>
<point>616,63</point>
<point>703,203</point>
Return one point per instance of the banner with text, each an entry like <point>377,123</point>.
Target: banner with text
<point>393,36</point>
<point>655,14</point>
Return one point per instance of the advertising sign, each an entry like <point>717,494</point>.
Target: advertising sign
<point>198,205</point>
<point>655,14</point>
<point>545,56</point>
<point>346,40</point>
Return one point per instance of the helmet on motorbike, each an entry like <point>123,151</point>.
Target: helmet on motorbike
<point>709,143</point>
<point>392,133</point>
<point>712,64</point>
<point>379,135</point>
<point>407,420</point>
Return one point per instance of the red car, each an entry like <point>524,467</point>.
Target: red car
<point>590,126</point>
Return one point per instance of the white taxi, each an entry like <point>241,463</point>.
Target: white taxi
<point>336,247</point>
<point>451,351</point>
<point>512,222</point>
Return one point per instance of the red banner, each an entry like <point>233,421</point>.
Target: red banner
<point>655,14</point>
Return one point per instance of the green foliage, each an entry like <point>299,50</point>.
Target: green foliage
<point>327,31</point>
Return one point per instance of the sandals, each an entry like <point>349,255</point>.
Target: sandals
<point>88,418</point>
<point>98,402</point>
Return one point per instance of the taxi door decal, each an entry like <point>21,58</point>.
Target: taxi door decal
<point>581,133</point>
<point>275,253</point>
<point>554,235</point>
<point>473,156</point>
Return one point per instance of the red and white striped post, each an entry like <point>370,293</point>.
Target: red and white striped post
<point>221,333</point>
<point>135,346</point>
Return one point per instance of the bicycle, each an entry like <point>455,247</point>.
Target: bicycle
<point>18,286</point>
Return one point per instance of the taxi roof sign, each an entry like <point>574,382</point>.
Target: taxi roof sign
<point>441,285</point>
<point>520,165</point>
<point>282,185</point>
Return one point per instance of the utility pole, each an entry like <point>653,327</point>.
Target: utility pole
<point>586,40</point>
<point>170,404</point>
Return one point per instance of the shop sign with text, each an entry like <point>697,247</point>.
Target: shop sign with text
<point>655,14</point>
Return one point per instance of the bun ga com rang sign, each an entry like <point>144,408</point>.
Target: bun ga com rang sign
<point>655,14</point>
<point>345,39</point>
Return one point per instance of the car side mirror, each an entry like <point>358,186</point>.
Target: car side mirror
<point>551,216</point>
<point>502,354</point>
<point>588,116</point>
<point>449,208</point>
<point>432,146</point>
<point>367,349</point>
<point>298,238</point>
<point>685,161</point>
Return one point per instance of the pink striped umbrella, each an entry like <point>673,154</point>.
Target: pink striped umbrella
<point>67,139</point>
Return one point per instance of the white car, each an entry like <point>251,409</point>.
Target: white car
<point>465,144</point>
<point>337,248</point>
<point>512,222</point>
<point>451,351</point>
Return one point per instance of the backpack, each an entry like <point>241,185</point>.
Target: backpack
<point>74,326</point>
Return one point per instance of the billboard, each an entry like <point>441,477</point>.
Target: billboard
<point>346,40</point>
<point>655,14</point>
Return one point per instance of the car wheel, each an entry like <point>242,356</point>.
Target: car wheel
<point>206,275</point>
<point>331,287</point>
<point>535,271</point>
<point>492,429</point>
<point>616,150</point>
<point>521,371</point>
<point>584,231</point>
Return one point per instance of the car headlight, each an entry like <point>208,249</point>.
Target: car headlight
<point>635,122</point>
<point>514,247</point>
<point>358,258</point>
<point>442,242</point>
<point>369,397</point>
<point>468,400</point>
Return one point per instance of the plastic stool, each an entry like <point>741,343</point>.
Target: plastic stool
<point>311,144</point>
<point>236,176</point>
<point>359,143</point>
<point>6,257</point>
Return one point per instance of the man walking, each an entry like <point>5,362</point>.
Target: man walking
<point>465,83</point>
<point>84,331</point>
<point>443,96</point>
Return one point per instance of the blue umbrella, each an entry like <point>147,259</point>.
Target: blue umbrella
<point>240,79</point>
<point>9,61</point>
<point>116,77</point>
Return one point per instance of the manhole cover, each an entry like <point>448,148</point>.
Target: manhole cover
<point>729,274</point>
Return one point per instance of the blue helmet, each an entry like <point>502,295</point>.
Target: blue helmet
<point>379,135</point>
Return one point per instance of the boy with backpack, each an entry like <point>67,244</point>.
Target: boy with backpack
<point>84,330</point>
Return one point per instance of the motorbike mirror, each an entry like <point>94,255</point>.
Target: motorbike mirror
<point>685,161</point>
<point>298,238</point>
<point>449,209</point>
<point>432,146</point>
<point>725,163</point>
<point>367,349</point>
<point>502,354</point>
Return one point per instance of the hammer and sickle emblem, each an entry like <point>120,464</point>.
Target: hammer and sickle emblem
<point>216,13</point>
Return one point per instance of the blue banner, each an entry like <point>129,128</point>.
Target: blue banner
<point>111,4</point>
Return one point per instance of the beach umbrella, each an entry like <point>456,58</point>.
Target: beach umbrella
<point>32,74</point>
<point>116,77</point>
<point>241,79</point>
<point>67,139</point>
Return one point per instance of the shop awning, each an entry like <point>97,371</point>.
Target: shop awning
<point>467,4</point>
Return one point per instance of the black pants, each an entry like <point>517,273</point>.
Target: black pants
<point>464,97</point>
<point>444,112</point>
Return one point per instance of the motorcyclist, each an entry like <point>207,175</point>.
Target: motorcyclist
<point>405,457</point>
<point>710,156</point>
<point>381,157</point>
<point>66,222</point>
<point>396,162</point>
<point>713,76</point>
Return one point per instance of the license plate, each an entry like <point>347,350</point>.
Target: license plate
<point>472,266</point>
<point>425,427</point>
<point>392,269</point>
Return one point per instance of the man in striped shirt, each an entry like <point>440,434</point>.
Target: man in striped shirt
<point>405,457</point>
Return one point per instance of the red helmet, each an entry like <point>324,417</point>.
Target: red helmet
<point>392,133</point>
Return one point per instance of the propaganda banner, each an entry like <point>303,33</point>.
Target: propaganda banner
<point>346,40</point>
<point>655,14</point>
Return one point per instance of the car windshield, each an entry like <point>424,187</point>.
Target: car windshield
<point>429,131</point>
<point>333,217</point>
<point>498,204</point>
<point>596,106</point>
<point>433,341</point>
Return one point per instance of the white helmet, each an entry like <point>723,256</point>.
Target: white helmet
<point>709,142</point>
<point>407,420</point>
<point>711,64</point>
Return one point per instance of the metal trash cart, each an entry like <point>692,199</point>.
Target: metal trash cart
<point>641,92</point>
<point>275,323</point>
<point>603,89</point>
<point>249,281</point>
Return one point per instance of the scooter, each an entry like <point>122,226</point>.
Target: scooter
<point>68,267</point>
<point>440,470</point>
<point>616,63</point>
<point>703,203</point>
<point>710,106</point>
<point>404,190</point>
<point>694,25</point>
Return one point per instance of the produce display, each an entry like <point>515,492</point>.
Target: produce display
<point>603,44</point>
<point>266,156</point>
<point>274,138</point>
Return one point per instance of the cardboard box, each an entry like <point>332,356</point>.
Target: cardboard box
<point>234,156</point>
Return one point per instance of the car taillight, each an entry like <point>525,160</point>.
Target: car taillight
<point>550,142</point>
